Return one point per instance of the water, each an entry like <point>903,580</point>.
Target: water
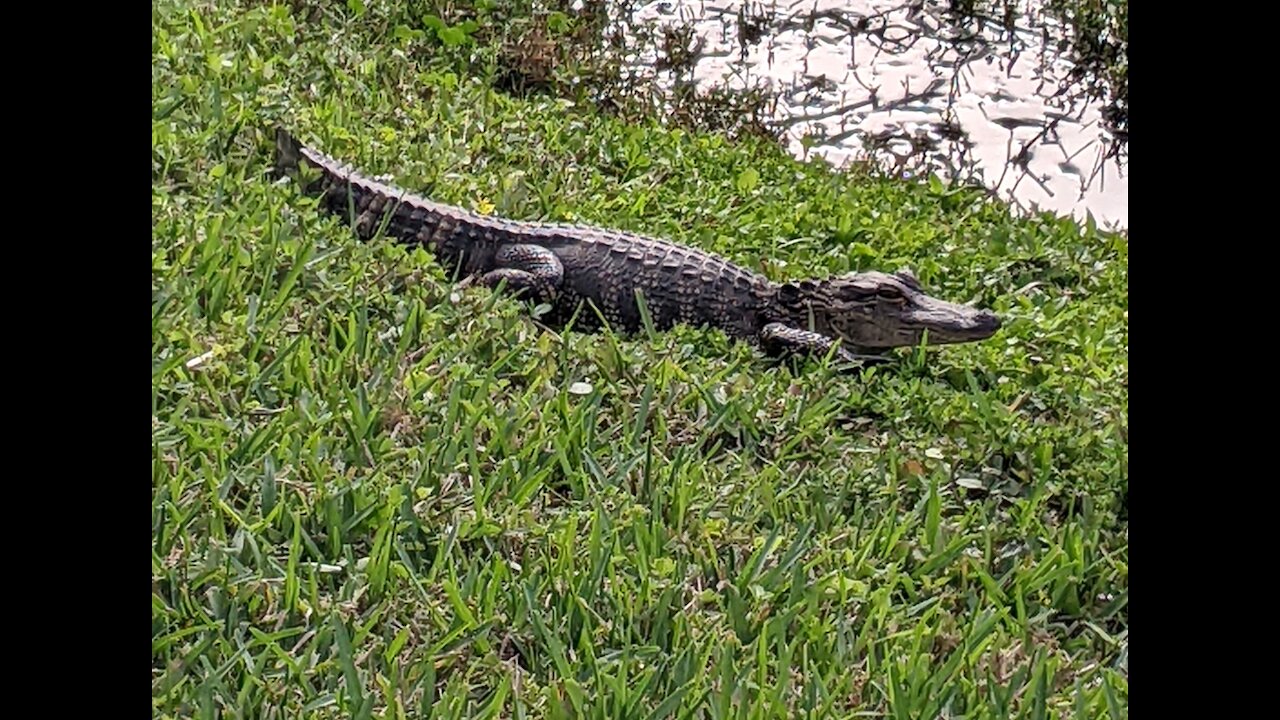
<point>916,89</point>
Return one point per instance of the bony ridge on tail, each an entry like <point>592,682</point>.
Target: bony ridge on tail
<point>568,266</point>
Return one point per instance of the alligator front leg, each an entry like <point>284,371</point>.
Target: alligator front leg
<point>779,340</point>
<point>529,270</point>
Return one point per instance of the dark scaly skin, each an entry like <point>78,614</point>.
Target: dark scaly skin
<point>569,266</point>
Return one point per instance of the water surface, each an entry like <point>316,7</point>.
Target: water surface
<point>981,100</point>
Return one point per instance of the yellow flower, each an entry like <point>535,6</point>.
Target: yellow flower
<point>484,207</point>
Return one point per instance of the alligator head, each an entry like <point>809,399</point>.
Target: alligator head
<point>874,310</point>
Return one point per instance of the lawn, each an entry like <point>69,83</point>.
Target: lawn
<point>373,494</point>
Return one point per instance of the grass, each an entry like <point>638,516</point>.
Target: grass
<point>374,496</point>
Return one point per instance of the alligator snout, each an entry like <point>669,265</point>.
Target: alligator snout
<point>975,324</point>
<point>947,323</point>
<point>986,321</point>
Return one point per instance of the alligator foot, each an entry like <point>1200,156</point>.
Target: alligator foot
<point>530,271</point>
<point>781,340</point>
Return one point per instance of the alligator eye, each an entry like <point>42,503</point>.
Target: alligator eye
<point>908,277</point>
<point>890,293</point>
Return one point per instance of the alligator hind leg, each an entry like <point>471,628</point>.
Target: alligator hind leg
<point>529,271</point>
<point>780,340</point>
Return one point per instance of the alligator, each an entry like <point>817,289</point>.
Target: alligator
<point>852,319</point>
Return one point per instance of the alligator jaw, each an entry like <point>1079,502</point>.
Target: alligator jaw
<point>946,323</point>
<point>878,311</point>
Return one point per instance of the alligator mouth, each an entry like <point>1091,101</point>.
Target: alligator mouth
<point>955,324</point>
